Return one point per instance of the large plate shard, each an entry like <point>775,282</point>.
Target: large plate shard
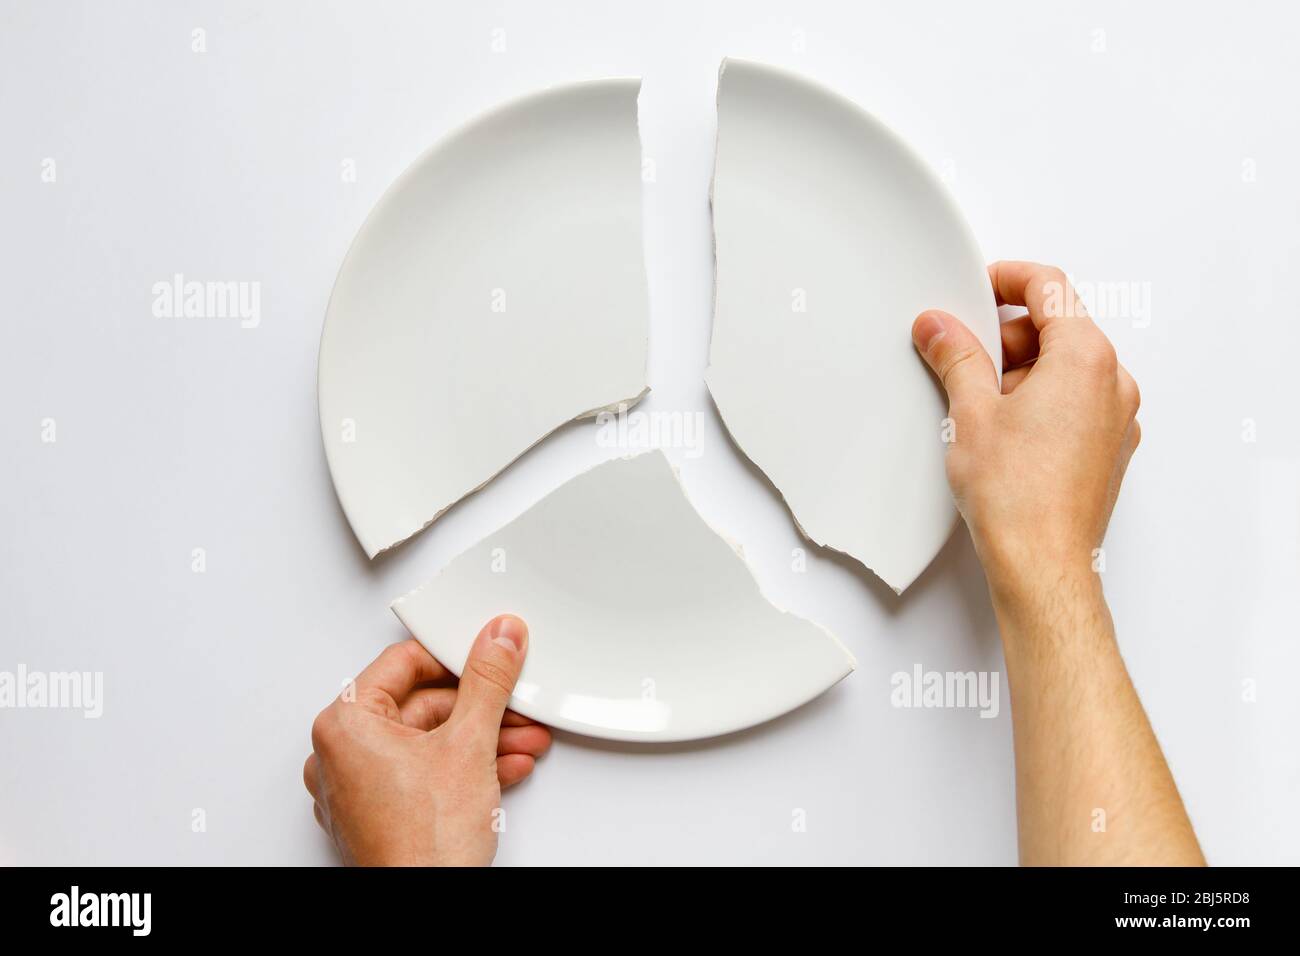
<point>644,624</point>
<point>831,236</point>
<point>496,292</point>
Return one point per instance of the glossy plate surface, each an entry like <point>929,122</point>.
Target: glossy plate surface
<point>644,624</point>
<point>831,237</point>
<point>496,292</point>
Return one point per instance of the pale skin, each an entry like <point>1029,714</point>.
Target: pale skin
<point>408,767</point>
<point>410,772</point>
<point>1035,470</point>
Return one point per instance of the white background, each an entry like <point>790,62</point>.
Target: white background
<point>1123,155</point>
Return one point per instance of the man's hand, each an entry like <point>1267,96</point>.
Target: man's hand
<point>407,768</point>
<point>1035,468</point>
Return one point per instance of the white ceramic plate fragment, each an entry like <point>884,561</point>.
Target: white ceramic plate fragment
<point>496,292</point>
<point>831,236</point>
<point>644,624</point>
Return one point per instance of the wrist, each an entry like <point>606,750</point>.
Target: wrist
<point>1036,590</point>
<point>1028,568</point>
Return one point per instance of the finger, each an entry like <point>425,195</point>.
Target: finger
<point>534,741</point>
<point>428,708</point>
<point>489,677</point>
<point>1019,343</point>
<point>311,776</point>
<point>399,668</point>
<point>955,355</point>
<point>1011,379</point>
<point>511,719</point>
<point>1044,290</point>
<point>512,768</point>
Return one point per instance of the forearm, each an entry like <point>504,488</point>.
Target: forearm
<point>1092,785</point>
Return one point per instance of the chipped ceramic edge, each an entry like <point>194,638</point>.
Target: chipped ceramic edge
<point>795,518</point>
<point>952,206</point>
<point>590,414</point>
<point>408,172</point>
<point>850,659</point>
<point>396,602</point>
<point>713,179</point>
<point>739,551</point>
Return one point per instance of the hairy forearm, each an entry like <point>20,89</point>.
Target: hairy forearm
<point>1092,785</point>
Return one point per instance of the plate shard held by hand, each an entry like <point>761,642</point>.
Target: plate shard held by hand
<point>496,292</point>
<point>831,237</point>
<point>644,624</point>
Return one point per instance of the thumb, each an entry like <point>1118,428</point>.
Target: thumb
<point>489,676</point>
<point>955,355</point>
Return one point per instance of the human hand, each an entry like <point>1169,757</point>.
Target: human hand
<point>409,770</point>
<point>1036,468</point>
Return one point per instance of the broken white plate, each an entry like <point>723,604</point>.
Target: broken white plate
<point>496,292</point>
<point>831,237</point>
<point>643,623</point>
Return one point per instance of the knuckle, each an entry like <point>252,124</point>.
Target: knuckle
<point>1107,359</point>
<point>324,729</point>
<point>1098,357</point>
<point>1050,273</point>
<point>376,701</point>
<point>1050,278</point>
<point>1131,394</point>
<point>955,360</point>
<point>1056,298</point>
<point>492,674</point>
<point>411,649</point>
<point>396,650</point>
